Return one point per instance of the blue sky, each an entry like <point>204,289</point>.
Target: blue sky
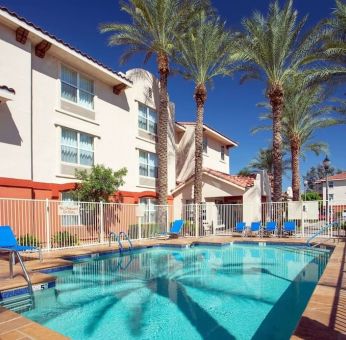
<point>231,108</point>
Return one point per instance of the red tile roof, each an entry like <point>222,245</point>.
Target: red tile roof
<point>242,181</point>
<point>338,177</point>
<point>15,15</point>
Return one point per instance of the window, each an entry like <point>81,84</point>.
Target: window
<point>77,88</point>
<point>331,197</point>
<point>331,184</point>
<point>222,153</point>
<point>150,209</point>
<point>150,93</point>
<point>77,147</point>
<point>147,119</point>
<point>205,144</point>
<point>147,164</point>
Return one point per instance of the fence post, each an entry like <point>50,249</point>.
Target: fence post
<point>167,219</point>
<point>139,225</point>
<point>197,220</point>
<point>49,246</point>
<point>102,226</point>
<point>303,219</point>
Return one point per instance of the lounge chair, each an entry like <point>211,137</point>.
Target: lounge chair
<point>270,228</point>
<point>9,242</point>
<point>175,230</point>
<point>289,228</point>
<point>240,228</point>
<point>255,228</point>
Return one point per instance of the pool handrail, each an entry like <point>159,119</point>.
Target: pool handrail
<point>324,228</point>
<point>117,238</point>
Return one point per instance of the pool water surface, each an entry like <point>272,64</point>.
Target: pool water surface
<point>230,292</point>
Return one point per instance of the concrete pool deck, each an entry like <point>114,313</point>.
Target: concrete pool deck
<point>324,315</point>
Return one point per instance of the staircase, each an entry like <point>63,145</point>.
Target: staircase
<point>19,304</point>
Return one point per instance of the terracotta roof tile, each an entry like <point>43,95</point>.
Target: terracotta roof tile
<point>338,177</point>
<point>15,15</point>
<point>243,181</point>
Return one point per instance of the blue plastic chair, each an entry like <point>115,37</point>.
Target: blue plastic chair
<point>256,227</point>
<point>289,227</point>
<point>175,230</point>
<point>9,242</point>
<point>240,228</point>
<point>271,228</point>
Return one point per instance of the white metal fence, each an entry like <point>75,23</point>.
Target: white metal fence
<point>62,224</point>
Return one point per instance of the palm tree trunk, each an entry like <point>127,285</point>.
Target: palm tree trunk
<point>276,97</point>
<point>162,187</point>
<point>200,98</point>
<point>295,169</point>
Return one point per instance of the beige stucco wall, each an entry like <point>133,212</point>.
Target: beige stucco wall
<point>115,126</point>
<point>339,191</point>
<point>15,72</point>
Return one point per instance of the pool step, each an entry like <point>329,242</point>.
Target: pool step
<point>21,303</point>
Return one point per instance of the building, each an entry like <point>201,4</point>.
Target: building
<point>336,188</point>
<point>62,110</point>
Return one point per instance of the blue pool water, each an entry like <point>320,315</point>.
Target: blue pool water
<point>230,292</point>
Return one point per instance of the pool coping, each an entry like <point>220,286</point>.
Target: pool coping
<point>304,330</point>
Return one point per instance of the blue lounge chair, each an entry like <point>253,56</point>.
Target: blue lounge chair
<point>9,242</point>
<point>270,228</point>
<point>256,227</point>
<point>176,227</point>
<point>289,227</point>
<point>240,228</point>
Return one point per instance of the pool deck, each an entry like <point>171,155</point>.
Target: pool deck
<point>324,315</point>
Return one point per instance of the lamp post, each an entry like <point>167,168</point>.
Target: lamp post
<point>326,165</point>
<point>305,187</point>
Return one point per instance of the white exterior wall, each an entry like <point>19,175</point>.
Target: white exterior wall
<point>338,190</point>
<point>115,127</point>
<point>252,202</point>
<point>186,155</point>
<point>15,116</point>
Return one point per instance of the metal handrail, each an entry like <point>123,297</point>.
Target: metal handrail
<point>117,238</point>
<point>326,227</point>
<point>127,238</point>
<point>25,272</point>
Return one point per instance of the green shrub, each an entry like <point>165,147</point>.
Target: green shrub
<point>28,240</point>
<point>64,238</point>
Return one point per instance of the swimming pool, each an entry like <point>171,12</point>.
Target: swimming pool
<point>203,292</point>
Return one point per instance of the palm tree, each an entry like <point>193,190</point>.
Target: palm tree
<point>205,52</point>
<point>153,31</point>
<point>276,48</point>
<point>264,161</point>
<point>304,112</point>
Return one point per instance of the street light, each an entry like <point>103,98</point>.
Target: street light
<point>326,165</point>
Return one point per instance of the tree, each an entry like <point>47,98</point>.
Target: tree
<point>311,196</point>
<point>98,184</point>
<point>304,112</point>
<point>275,47</point>
<point>264,161</point>
<point>317,173</point>
<point>205,52</point>
<point>244,172</point>
<point>155,25</point>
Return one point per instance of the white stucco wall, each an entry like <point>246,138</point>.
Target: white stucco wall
<point>115,126</point>
<point>15,135</point>
<point>338,190</point>
<point>186,155</point>
<point>252,202</point>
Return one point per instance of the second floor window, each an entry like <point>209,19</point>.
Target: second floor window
<point>222,153</point>
<point>77,147</point>
<point>147,164</point>
<point>331,184</point>
<point>77,88</point>
<point>147,119</point>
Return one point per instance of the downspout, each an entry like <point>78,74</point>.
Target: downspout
<point>31,122</point>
